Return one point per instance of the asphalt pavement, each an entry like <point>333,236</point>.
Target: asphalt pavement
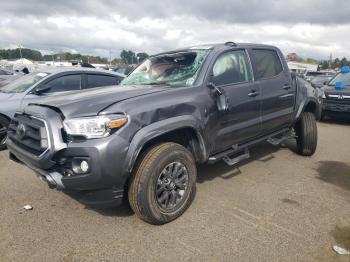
<point>277,206</point>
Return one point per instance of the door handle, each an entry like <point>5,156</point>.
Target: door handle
<point>286,87</point>
<point>253,94</point>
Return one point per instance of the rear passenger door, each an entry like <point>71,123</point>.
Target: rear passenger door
<point>277,91</point>
<point>232,74</point>
<point>97,80</point>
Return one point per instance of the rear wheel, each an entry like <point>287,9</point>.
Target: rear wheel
<point>4,123</point>
<point>163,183</point>
<point>306,131</point>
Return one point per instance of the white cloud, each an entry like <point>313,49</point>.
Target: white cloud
<point>87,30</point>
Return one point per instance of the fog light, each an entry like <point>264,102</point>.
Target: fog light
<point>80,166</point>
<point>84,166</point>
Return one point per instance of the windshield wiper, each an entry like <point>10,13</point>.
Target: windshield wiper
<point>158,83</point>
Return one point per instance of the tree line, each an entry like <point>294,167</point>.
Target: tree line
<point>334,64</point>
<point>126,56</point>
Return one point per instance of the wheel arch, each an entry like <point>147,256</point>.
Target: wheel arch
<point>309,105</point>
<point>183,130</point>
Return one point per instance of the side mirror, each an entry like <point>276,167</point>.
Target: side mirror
<point>40,89</point>
<point>313,85</point>
<point>221,100</point>
<point>325,82</point>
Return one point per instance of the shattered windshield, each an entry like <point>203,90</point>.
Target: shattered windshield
<point>23,83</point>
<point>174,69</point>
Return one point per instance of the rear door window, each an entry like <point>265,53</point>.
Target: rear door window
<point>101,80</point>
<point>64,83</point>
<point>267,63</point>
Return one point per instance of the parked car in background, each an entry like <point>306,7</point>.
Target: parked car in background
<point>312,74</point>
<point>336,98</point>
<point>321,80</point>
<point>49,82</point>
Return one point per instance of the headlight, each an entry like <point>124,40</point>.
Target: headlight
<point>94,127</point>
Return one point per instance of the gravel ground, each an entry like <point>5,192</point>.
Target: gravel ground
<point>277,206</point>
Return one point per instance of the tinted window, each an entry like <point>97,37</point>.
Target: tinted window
<point>64,83</point>
<point>102,80</point>
<point>267,63</point>
<point>232,67</point>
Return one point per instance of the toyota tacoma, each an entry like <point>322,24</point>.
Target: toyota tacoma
<point>142,141</point>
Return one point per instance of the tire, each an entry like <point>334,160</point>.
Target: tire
<point>306,131</point>
<point>151,183</point>
<point>4,123</point>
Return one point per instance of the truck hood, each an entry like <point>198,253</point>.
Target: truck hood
<point>92,101</point>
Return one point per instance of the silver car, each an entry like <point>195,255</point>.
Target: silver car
<point>33,86</point>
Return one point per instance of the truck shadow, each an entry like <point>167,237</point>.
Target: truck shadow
<point>334,172</point>
<point>123,210</point>
<point>262,152</point>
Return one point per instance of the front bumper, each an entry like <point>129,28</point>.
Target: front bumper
<point>336,106</point>
<point>100,198</point>
<point>106,157</point>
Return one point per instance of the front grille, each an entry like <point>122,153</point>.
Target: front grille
<point>29,133</point>
<point>334,99</point>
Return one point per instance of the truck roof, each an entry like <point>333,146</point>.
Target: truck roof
<point>219,46</point>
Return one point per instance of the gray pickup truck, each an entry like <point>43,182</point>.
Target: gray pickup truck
<point>142,141</point>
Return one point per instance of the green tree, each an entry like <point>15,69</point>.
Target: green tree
<point>128,57</point>
<point>344,62</point>
<point>324,65</point>
<point>142,56</point>
<point>311,61</point>
<point>336,63</point>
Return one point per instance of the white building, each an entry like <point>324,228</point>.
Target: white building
<point>301,67</point>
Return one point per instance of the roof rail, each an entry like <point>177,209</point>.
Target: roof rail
<point>230,43</point>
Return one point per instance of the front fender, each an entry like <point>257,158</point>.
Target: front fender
<point>304,104</point>
<point>306,94</point>
<point>160,128</point>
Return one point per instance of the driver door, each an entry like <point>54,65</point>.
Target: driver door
<point>232,73</point>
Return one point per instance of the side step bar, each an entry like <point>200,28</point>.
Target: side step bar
<point>272,138</point>
<point>236,160</point>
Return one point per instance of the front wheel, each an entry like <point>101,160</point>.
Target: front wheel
<point>306,131</point>
<point>4,123</point>
<point>163,183</point>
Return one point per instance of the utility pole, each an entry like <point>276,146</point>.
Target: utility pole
<point>330,60</point>
<point>20,52</point>
<point>110,58</point>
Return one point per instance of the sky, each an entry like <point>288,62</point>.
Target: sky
<point>311,28</point>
